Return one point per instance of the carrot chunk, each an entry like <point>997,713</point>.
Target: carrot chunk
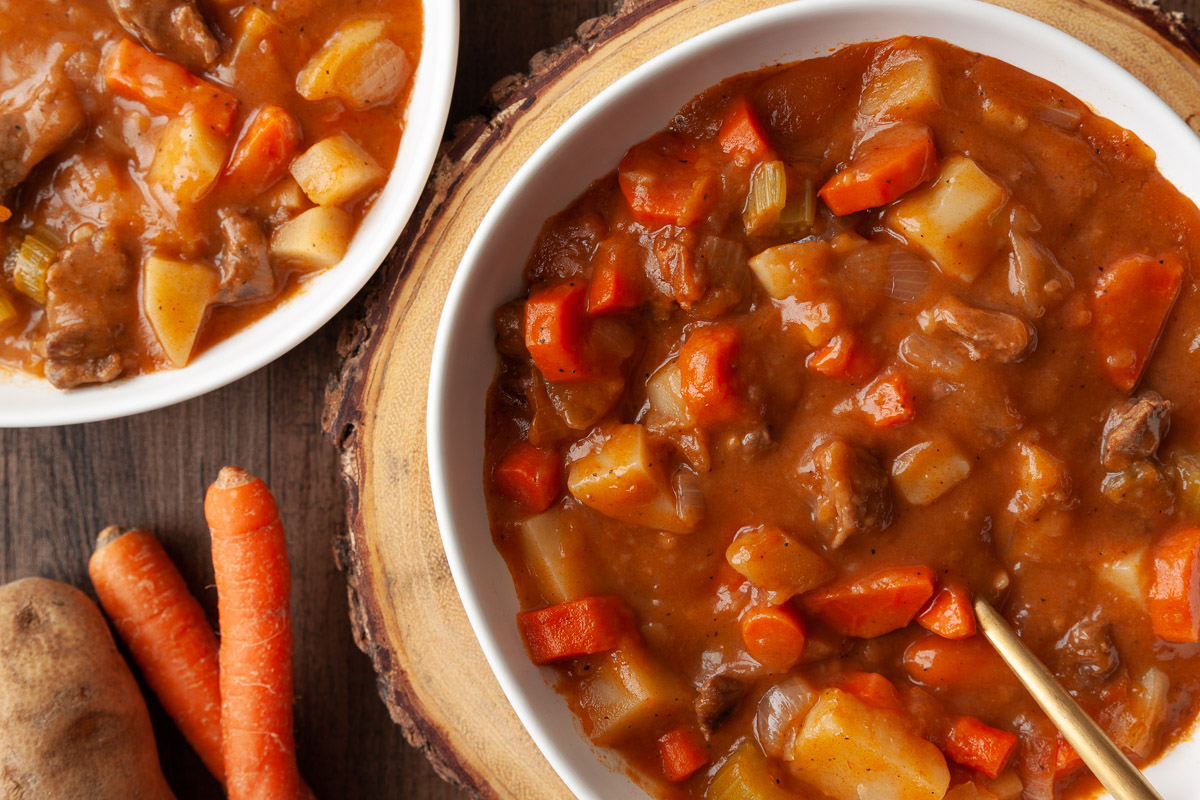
<point>966,664</point>
<point>556,332</point>
<point>891,163</point>
<point>873,689</point>
<point>264,151</point>
<point>615,285</point>
<point>979,746</point>
<point>775,636</point>
<point>888,401</point>
<point>681,754</point>
<point>1175,592</point>
<point>742,134</point>
<point>843,356</point>
<point>663,183</point>
<point>573,629</point>
<point>164,86</point>
<point>949,613</point>
<point>529,476</point>
<point>1131,303</point>
<point>708,367</point>
<point>872,605</point>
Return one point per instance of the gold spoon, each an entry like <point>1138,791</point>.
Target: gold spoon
<point>1105,759</point>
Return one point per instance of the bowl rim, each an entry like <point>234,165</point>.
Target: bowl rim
<point>28,401</point>
<point>441,426</point>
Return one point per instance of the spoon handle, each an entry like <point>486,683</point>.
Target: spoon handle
<point>1105,759</point>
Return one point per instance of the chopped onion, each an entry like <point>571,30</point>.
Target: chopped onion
<point>797,217</point>
<point>908,275</point>
<point>722,258</point>
<point>780,712</point>
<point>867,265</point>
<point>1061,117</point>
<point>689,496</point>
<point>941,357</point>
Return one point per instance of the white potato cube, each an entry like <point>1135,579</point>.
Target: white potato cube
<point>952,220</point>
<point>1128,575</point>
<point>626,480</point>
<point>316,239</point>
<point>901,84</point>
<point>664,391</point>
<point>626,693</point>
<point>358,65</point>
<point>553,547</point>
<point>925,472</point>
<point>336,170</point>
<point>188,159</point>
<point>849,751</point>
<point>175,297</point>
<point>793,270</point>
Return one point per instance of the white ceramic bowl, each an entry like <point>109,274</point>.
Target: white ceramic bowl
<point>26,401</point>
<point>591,143</point>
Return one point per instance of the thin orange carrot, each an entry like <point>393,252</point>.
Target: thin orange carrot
<point>166,631</point>
<point>253,587</point>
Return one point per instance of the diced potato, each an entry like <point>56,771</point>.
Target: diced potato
<point>553,548</point>
<point>850,750</point>
<point>779,564</point>
<point>282,201</point>
<point>175,297</point>
<point>359,65</point>
<point>188,158</point>
<point>952,220</point>
<point>1043,479</point>
<point>624,479</point>
<point>1128,575</point>
<point>793,270</point>
<point>336,170</point>
<point>1006,787</point>
<point>626,691</point>
<point>902,84</point>
<point>1038,538</point>
<point>667,409</point>
<point>316,239</point>
<point>746,775</point>
<point>925,472</point>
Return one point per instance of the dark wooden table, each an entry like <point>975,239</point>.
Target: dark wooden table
<point>60,486</point>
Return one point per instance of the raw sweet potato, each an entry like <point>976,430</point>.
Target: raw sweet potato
<point>75,726</point>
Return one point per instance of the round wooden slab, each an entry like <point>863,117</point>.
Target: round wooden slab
<point>406,613</point>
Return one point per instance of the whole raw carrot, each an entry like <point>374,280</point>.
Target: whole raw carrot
<point>166,631</point>
<point>253,586</point>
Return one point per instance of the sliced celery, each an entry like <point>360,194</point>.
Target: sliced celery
<point>797,217</point>
<point>767,197</point>
<point>33,262</point>
<point>745,776</point>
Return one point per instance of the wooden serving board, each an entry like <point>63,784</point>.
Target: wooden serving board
<point>403,605</point>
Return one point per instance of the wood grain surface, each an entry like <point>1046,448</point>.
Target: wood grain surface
<point>60,486</point>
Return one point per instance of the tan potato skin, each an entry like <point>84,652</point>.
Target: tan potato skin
<point>73,724</point>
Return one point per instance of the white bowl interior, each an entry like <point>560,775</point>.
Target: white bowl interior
<point>26,401</point>
<point>592,142</point>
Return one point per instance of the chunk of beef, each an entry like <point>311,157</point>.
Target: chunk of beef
<point>245,263</point>
<point>37,117</point>
<point>1087,650</point>
<point>715,701</point>
<point>852,492</point>
<point>175,29</point>
<point>1134,430</point>
<point>987,334</point>
<point>83,286</point>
